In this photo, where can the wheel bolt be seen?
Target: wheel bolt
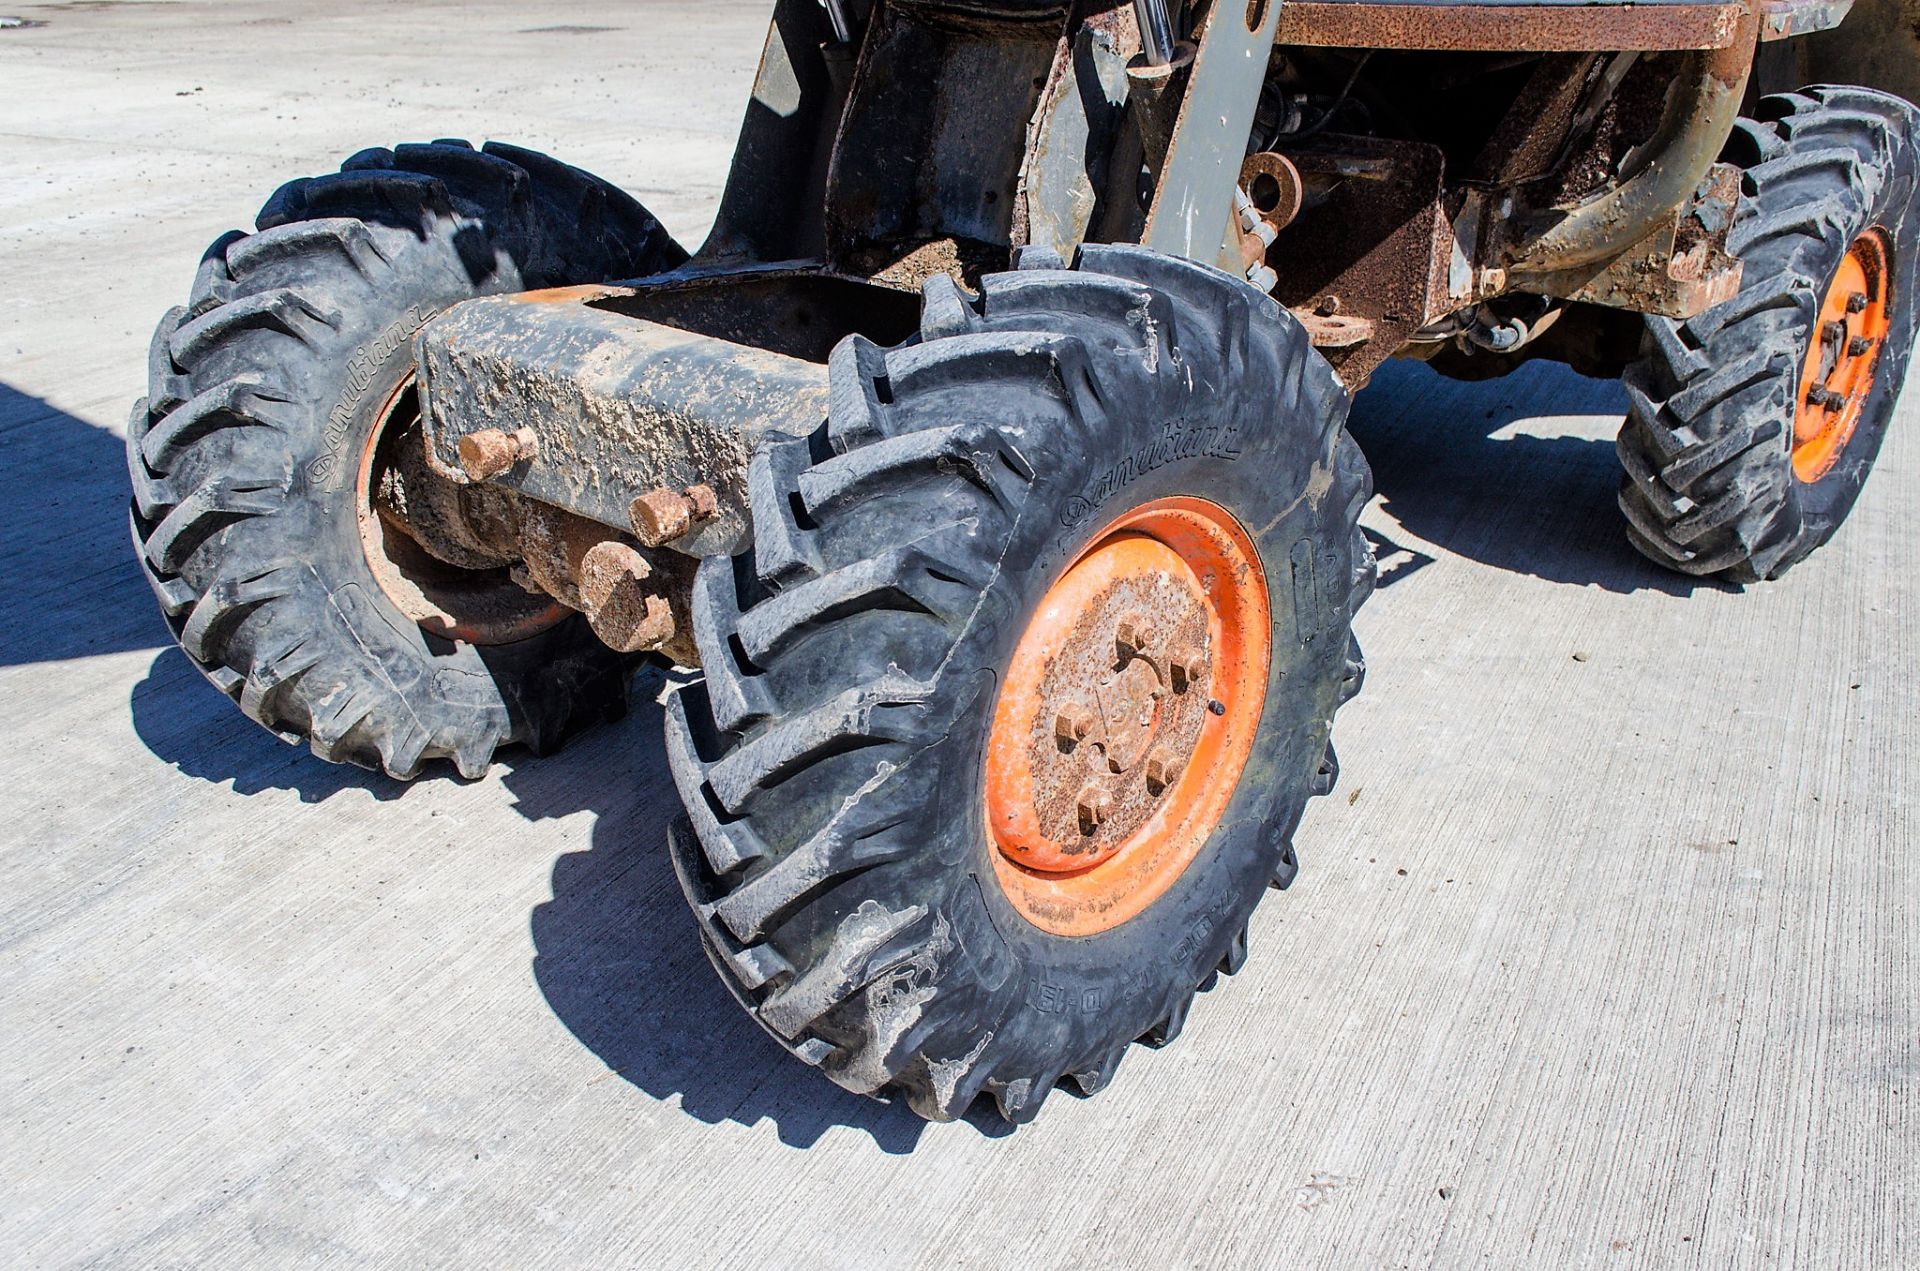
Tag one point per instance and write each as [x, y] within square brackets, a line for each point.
[489, 452]
[1163, 769]
[1857, 302]
[661, 515]
[1826, 399]
[1096, 805]
[1072, 725]
[1131, 634]
[1836, 330]
[1859, 346]
[1188, 666]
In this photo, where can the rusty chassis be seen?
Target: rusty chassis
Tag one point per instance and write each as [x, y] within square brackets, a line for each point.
[1406, 178]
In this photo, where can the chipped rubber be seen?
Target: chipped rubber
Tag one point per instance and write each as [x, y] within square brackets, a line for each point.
[1707, 446]
[835, 849]
[263, 391]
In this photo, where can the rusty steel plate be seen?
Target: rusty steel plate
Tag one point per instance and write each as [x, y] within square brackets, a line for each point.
[1532, 28]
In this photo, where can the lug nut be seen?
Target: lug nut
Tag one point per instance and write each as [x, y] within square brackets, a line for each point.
[1163, 769]
[661, 515]
[1188, 666]
[490, 452]
[1096, 805]
[1859, 346]
[1826, 399]
[1072, 725]
[1857, 302]
[1131, 635]
[1835, 330]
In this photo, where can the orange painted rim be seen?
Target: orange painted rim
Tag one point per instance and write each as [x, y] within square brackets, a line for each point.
[1837, 379]
[1127, 716]
[476, 606]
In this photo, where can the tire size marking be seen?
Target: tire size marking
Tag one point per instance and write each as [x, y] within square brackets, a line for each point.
[1178, 440]
[361, 371]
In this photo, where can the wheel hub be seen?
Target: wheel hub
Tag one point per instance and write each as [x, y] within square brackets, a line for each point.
[473, 601]
[1838, 377]
[1128, 710]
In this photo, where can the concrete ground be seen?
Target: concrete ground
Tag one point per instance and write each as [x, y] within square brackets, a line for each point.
[1603, 955]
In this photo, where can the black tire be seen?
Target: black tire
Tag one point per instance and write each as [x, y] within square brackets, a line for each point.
[1710, 487]
[266, 388]
[831, 761]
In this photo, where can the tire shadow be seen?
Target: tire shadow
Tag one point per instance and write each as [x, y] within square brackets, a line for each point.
[188, 723]
[618, 957]
[73, 588]
[1451, 469]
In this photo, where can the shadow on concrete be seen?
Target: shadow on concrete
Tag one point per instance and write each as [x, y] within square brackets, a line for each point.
[1537, 505]
[619, 958]
[617, 955]
[73, 590]
[187, 722]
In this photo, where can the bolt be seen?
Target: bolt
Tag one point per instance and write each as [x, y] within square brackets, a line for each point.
[1163, 769]
[1858, 301]
[661, 515]
[1131, 634]
[1859, 346]
[1072, 725]
[490, 452]
[1188, 666]
[1095, 806]
[1835, 330]
[1826, 399]
[623, 613]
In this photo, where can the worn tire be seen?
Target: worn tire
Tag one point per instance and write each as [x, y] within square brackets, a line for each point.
[269, 383]
[1710, 487]
[836, 849]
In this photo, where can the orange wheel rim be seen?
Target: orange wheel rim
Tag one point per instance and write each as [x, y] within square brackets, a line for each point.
[1837, 379]
[1127, 716]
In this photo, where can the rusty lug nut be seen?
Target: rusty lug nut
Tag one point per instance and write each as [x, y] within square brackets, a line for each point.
[1131, 634]
[1859, 346]
[1188, 666]
[1072, 725]
[1095, 806]
[1835, 330]
[1163, 769]
[489, 452]
[661, 515]
[624, 614]
[1858, 302]
[1826, 399]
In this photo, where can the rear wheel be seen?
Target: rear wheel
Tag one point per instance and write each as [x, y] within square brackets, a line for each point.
[1011, 712]
[1752, 427]
[282, 505]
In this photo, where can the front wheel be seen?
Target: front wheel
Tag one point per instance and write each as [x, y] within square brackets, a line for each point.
[1752, 427]
[1013, 708]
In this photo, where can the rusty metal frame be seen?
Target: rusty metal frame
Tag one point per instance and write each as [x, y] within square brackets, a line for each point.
[616, 401]
[1510, 28]
[1701, 111]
